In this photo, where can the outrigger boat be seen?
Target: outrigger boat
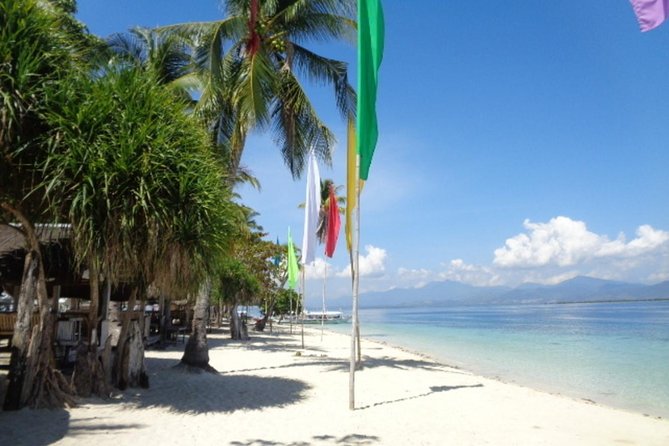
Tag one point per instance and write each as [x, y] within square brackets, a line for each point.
[329, 317]
[316, 317]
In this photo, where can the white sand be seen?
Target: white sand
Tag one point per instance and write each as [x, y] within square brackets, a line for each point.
[266, 395]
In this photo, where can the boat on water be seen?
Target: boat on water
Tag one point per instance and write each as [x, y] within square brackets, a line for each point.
[316, 317]
[329, 317]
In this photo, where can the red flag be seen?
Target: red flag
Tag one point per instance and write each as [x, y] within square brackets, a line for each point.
[334, 222]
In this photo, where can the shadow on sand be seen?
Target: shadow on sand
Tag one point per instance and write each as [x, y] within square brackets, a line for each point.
[341, 365]
[182, 391]
[351, 439]
[45, 427]
[433, 390]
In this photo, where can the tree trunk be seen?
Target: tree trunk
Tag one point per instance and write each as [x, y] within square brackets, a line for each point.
[93, 318]
[89, 375]
[162, 321]
[32, 380]
[129, 369]
[44, 386]
[196, 353]
[260, 325]
[235, 322]
[21, 337]
[238, 329]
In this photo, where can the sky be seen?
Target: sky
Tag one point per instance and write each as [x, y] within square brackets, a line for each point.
[519, 142]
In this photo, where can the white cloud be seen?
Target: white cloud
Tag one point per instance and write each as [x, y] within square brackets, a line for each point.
[459, 271]
[319, 269]
[373, 264]
[546, 253]
[416, 278]
[565, 242]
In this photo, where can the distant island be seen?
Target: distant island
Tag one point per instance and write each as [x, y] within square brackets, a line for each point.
[580, 289]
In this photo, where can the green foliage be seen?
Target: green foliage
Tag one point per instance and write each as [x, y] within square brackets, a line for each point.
[35, 53]
[257, 256]
[251, 74]
[238, 284]
[134, 174]
[167, 56]
[286, 300]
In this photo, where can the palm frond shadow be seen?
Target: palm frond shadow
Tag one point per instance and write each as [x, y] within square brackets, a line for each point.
[274, 345]
[341, 365]
[350, 439]
[47, 426]
[54, 425]
[433, 390]
[211, 392]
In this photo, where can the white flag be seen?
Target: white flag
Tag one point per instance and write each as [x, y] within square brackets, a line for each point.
[311, 210]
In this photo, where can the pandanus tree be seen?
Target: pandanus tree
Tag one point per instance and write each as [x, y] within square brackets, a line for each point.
[135, 175]
[40, 46]
[251, 68]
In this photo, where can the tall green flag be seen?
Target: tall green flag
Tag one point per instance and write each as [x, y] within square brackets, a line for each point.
[370, 53]
[293, 269]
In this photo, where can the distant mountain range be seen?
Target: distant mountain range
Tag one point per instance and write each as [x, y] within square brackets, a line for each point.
[578, 289]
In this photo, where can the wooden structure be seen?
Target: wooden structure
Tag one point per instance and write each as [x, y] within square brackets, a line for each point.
[66, 281]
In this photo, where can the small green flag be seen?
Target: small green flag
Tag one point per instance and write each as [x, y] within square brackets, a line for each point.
[293, 269]
[370, 53]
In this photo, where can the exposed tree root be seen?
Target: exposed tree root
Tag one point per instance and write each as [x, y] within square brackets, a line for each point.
[52, 390]
[195, 368]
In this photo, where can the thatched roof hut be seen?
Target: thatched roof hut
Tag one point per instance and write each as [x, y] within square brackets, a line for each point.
[59, 264]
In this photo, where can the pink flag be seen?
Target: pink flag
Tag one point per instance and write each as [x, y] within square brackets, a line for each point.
[334, 222]
[650, 13]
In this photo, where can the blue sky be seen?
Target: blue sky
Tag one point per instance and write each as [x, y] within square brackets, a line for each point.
[519, 141]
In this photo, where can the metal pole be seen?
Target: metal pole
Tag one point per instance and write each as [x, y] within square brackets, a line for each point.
[325, 279]
[356, 283]
[290, 314]
[304, 292]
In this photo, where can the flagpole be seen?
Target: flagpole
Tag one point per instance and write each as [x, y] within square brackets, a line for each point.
[325, 279]
[304, 292]
[355, 261]
[290, 314]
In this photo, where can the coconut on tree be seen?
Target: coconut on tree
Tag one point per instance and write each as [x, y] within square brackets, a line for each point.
[251, 68]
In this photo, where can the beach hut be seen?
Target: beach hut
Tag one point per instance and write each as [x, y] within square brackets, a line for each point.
[70, 287]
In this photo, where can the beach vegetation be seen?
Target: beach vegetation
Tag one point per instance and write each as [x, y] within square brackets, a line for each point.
[119, 158]
[135, 175]
[253, 272]
[251, 66]
[135, 146]
[322, 227]
[40, 45]
[287, 302]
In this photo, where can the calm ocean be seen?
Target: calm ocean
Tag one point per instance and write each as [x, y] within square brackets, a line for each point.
[616, 354]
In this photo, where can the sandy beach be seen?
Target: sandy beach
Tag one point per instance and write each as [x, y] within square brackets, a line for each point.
[272, 392]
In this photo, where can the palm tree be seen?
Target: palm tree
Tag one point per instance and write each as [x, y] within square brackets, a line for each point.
[251, 64]
[168, 56]
[171, 59]
[322, 228]
[323, 213]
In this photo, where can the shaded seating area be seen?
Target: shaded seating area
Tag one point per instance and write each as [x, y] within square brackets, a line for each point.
[68, 286]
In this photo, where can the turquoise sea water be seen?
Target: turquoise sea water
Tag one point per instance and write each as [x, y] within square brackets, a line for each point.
[616, 354]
